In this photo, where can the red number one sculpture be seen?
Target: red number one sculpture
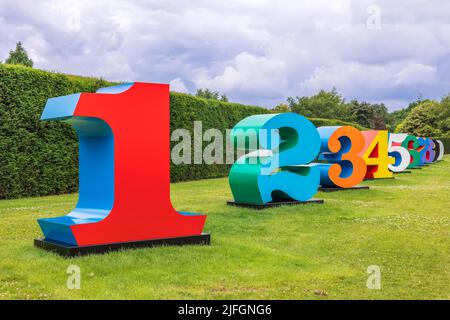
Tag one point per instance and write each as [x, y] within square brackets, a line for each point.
[124, 141]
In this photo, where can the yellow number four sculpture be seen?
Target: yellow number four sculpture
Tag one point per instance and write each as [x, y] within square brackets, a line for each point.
[375, 154]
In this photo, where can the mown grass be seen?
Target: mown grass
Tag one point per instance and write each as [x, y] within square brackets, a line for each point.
[300, 252]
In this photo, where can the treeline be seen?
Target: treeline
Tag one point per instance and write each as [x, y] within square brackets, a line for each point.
[427, 118]
[422, 117]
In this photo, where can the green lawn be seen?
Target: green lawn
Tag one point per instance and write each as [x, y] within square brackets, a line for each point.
[401, 225]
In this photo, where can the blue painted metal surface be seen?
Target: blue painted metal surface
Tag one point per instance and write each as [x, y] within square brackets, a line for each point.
[96, 167]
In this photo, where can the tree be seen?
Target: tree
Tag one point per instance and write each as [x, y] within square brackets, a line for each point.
[361, 113]
[281, 108]
[369, 115]
[209, 94]
[19, 56]
[380, 116]
[397, 116]
[324, 104]
[423, 120]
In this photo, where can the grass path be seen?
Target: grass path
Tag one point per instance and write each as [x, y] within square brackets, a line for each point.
[299, 252]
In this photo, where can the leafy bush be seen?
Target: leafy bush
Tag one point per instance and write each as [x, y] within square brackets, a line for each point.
[423, 120]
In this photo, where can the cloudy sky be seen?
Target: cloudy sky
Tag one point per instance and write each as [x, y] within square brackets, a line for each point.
[255, 51]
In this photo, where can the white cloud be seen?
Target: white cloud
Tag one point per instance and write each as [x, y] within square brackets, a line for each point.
[371, 81]
[256, 52]
[248, 74]
[178, 85]
[416, 73]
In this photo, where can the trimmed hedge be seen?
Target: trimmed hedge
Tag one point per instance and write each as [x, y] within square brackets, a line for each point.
[185, 109]
[319, 122]
[36, 157]
[40, 158]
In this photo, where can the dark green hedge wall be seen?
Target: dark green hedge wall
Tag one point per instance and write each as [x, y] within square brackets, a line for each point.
[185, 109]
[41, 158]
[36, 158]
[319, 122]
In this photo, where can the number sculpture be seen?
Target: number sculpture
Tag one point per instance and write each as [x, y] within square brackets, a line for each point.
[438, 150]
[428, 153]
[375, 154]
[279, 150]
[124, 183]
[340, 147]
[401, 154]
[411, 143]
[277, 167]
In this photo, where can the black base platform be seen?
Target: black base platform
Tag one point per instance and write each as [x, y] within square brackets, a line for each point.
[416, 168]
[330, 189]
[406, 171]
[67, 250]
[273, 204]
